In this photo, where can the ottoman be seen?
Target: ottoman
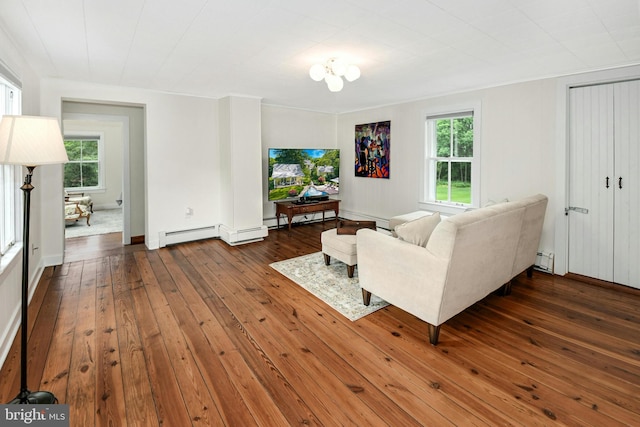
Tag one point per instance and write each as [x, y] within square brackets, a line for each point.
[342, 245]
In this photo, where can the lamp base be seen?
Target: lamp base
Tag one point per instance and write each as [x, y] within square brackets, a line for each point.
[35, 398]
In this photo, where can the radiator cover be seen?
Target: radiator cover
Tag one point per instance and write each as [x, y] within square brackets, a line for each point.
[189, 235]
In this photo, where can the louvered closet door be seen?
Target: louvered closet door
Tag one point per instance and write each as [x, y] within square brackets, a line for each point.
[591, 194]
[604, 182]
[626, 260]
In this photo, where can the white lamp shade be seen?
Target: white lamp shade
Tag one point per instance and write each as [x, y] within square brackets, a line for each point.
[352, 73]
[31, 141]
[317, 72]
[334, 83]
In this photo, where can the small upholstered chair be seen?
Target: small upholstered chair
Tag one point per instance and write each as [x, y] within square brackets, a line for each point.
[81, 199]
[73, 211]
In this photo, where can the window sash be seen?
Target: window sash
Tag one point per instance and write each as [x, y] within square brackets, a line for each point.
[11, 210]
[434, 184]
[79, 161]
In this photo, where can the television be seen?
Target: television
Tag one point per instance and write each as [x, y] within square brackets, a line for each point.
[304, 174]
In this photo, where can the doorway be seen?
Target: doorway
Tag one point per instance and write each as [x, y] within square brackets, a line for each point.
[117, 192]
[604, 197]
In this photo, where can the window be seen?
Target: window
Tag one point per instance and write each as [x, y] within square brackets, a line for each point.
[452, 159]
[84, 170]
[10, 104]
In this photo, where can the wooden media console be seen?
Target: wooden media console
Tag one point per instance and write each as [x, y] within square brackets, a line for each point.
[291, 209]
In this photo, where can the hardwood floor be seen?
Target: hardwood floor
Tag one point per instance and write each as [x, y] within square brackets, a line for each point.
[207, 334]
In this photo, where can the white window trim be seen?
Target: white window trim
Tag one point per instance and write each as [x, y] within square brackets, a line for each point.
[425, 201]
[86, 134]
[12, 214]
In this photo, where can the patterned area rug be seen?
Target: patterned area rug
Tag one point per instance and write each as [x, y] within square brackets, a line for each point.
[102, 222]
[329, 283]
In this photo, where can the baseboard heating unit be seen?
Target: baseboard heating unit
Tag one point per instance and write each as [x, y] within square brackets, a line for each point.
[243, 235]
[173, 237]
[544, 262]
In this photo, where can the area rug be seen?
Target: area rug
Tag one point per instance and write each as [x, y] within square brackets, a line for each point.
[329, 283]
[102, 222]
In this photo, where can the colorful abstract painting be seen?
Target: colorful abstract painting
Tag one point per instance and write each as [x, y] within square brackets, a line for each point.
[372, 150]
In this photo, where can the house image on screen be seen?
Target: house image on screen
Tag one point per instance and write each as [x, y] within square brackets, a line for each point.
[285, 175]
[325, 170]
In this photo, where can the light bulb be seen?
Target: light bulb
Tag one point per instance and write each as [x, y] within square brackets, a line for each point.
[352, 73]
[338, 67]
[317, 72]
[334, 83]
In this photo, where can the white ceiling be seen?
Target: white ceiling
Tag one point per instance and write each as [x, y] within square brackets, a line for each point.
[406, 49]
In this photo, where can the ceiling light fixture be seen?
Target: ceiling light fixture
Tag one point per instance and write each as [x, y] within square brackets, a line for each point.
[332, 72]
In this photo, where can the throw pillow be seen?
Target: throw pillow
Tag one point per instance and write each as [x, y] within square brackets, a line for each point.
[419, 230]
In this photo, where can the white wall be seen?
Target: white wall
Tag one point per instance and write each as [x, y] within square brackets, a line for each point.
[181, 154]
[517, 149]
[240, 143]
[517, 152]
[292, 128]
[113, 146]
[10, 264]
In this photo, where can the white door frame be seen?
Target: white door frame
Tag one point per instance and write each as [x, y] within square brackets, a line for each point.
[126, 188]
[561, 199]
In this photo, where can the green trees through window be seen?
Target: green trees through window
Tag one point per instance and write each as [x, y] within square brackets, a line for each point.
[451, 147]
[83, 168]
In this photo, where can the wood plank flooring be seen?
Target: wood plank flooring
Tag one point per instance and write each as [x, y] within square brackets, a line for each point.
[203, 334]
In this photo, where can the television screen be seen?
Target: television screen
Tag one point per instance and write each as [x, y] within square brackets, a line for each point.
[303, 173]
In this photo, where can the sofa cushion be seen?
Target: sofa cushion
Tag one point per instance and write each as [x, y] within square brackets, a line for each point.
[401, 219]
[419, 230]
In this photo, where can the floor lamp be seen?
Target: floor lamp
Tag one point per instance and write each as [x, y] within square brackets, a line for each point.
[29, 141]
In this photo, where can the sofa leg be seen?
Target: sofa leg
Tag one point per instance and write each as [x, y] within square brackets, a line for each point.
[434, 332]
[530, 272]
[505, 289]
[350, 270]
[366, 297]
[327, 259]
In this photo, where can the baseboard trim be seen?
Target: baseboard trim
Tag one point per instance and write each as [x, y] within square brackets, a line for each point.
[10, 331]
[137, 240]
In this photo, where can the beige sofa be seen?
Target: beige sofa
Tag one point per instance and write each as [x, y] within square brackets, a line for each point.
[467, 256]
